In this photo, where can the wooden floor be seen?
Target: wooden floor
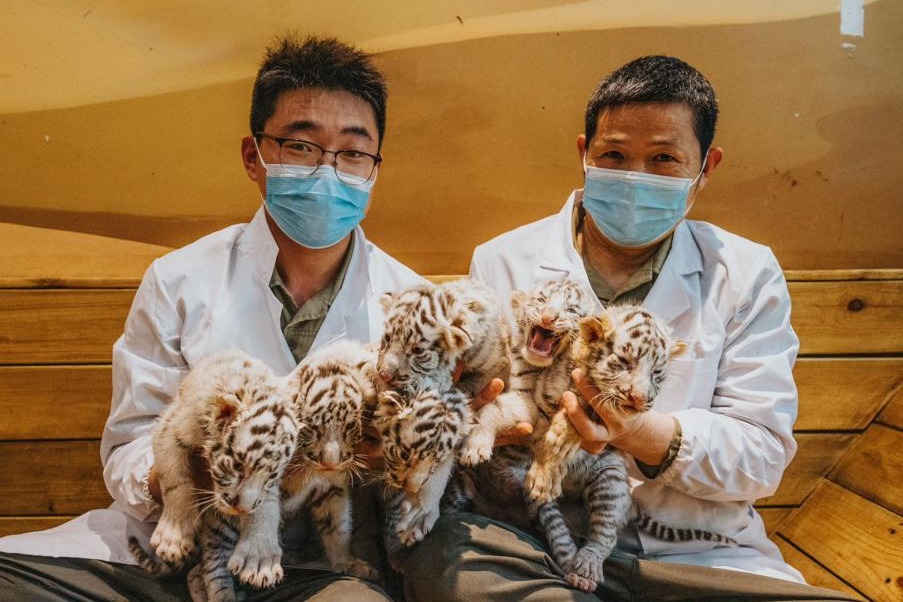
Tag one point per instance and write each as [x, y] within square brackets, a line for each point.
[838, 516]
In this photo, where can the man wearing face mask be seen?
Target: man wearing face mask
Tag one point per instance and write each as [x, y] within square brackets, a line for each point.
[719, 435]
[300, 275]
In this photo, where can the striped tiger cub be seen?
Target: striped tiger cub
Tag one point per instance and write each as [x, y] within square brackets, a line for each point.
[331, 389]
[235, 412]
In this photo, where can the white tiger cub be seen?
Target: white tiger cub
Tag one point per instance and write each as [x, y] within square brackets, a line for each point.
[234, 411]
[547, 325]
[331, 388]
[431, 329]
[420, 436]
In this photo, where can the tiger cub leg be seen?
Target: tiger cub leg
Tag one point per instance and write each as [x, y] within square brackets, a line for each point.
[551, 454]
[173, 537]
[607, 498]
[561, 543]
[504, 413]
[257, 559]
[218, 539]
[420, 511]
[331, 514]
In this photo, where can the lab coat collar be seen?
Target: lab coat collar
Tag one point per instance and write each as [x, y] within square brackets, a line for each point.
[674, 287]
[347, 317]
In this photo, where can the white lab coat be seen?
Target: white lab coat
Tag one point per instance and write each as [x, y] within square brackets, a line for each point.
[210, 295]
[732, 390]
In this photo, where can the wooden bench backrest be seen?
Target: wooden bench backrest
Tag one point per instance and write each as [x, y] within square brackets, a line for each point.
[838, 516]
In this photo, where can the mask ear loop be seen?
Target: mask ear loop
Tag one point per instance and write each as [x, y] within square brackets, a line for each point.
[694, 183]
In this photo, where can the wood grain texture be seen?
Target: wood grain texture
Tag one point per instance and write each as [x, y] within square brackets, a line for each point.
[772, 517]
[54, 402]
[816, 455]
[845, 393]
[51, 477]
[61, 326]
[859, 540]
[12, 525]
[814, 573]
[892, 414]
[848, 317]
[873, 468]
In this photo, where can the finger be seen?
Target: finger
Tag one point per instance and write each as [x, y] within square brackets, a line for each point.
[593, 447]
[459, 369]
[586, 427]
[518, 435]
[586, 390]
[488, 394]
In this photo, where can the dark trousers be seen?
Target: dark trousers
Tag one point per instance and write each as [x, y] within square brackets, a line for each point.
[44, 579]
[474, 559]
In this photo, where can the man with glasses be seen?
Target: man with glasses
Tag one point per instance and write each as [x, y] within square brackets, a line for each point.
[300, 275]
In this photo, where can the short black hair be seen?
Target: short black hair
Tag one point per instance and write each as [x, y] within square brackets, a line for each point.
[293, 62]
[657, 79]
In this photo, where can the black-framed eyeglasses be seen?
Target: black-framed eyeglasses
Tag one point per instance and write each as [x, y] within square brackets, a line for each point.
[360, 166]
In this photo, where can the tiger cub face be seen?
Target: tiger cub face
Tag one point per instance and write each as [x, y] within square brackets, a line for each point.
[418, 433]
[548, 319]
[625, 353]
[331, 389]
[250, 435]
[424, 337]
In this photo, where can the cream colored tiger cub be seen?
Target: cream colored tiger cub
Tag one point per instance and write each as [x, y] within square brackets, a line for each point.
[432, 329]
[331, 388]
[235, 412]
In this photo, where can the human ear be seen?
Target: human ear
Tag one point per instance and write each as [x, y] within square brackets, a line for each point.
[249, 158]
[713, 158]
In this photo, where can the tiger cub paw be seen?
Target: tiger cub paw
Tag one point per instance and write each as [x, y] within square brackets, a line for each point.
[257, 563]
[415, 526]
[585, 571]
[542, 484]
[173, 540]
[360, 569]
[476, 450]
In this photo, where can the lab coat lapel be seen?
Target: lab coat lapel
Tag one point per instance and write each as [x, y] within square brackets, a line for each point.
[263, 251]
[559, 258]
[677, 284]
[348, 316]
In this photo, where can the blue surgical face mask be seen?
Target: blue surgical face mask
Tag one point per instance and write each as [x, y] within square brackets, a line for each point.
[635, 209]
[314, 208]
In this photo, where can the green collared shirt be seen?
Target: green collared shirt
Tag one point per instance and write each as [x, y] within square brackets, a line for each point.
[301, 324]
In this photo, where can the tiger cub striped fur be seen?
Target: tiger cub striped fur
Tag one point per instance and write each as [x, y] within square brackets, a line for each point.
[420, 436]
[547, 323]
[624, 353]
[431, 329]
[331, 388]
[235, 412]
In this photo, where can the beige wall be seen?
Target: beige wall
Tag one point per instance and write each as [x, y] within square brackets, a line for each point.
[481, 138]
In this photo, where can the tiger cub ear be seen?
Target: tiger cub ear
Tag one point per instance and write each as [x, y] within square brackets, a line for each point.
[594, 328]
[226, 408]
[677, 348]
[519, 299]
[387, 300]
[456, 336]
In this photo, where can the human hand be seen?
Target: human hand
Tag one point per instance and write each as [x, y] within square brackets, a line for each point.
[644, 435]
[370, 449]
[612, 426]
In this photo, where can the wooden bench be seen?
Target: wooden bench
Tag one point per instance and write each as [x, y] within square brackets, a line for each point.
[838, 516]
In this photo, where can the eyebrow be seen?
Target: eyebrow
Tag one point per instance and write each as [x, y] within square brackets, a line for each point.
[306, 125]
[662, 141]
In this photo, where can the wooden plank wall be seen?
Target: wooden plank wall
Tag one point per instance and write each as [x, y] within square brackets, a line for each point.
[838, 515]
